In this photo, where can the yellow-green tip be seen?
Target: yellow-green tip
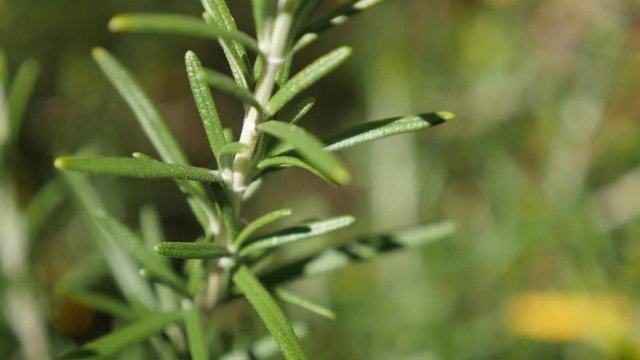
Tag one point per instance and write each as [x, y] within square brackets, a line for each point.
[342, 176]
[119, 23]
[98, 52]
[446, 115]
[61, 163]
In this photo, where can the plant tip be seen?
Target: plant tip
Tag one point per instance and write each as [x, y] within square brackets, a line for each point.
[60, 163]
[97, 52]
[118, 23]
[446, 115]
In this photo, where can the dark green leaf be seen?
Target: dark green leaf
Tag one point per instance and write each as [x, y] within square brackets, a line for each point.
[205, 104]
[310, 148]
[190, 250]
[289, 161]
[114, 342]
[136, 168]
[307, 77]
[294, 299]
[259, 223]
[230, 87]
[298, 113]
[300, 232]
[179, 25]
[362, 249]
[271, 315]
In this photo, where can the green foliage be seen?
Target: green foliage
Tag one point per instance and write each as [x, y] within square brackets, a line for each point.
[224, 262]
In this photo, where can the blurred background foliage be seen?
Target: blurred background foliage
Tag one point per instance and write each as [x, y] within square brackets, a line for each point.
[540, 170]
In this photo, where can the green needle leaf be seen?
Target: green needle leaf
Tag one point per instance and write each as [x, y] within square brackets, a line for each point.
[310, 148]
[271, 315]
[44, 204]
[263, 13]
[148, 116]
[151, 227]
[138, 168]
[307, 77]
[135, 246]
[259, 223]
[190, 250]
[179, 25]
[205, 104]
[298, 113]
[19, 94]
[290, 161]
[197, 342]
[118, 340]
[233, 148]
[300, 232]
[362, 249]
[101, 303]
[217, 12]
[294, 299]
[229, 86]
[375, 130]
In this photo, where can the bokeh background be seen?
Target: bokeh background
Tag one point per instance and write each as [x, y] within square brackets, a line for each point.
[539, 170]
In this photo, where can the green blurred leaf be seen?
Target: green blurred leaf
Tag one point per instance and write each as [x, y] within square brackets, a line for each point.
[43, 205]
[19, 94]
[259, 223]
[375, 130]
[336, 17]
[195, 336]
[138, 168]
[228, 86]
[362, 249]
[290, 161]
[205, 104]
[294, 299]
[263, 14]
[298, 113]
[271, 315]
[218, 13]
[4, 70]
[114, 342]
[123, 269]
[178, 24]
[191, 250]
[151, 227]
[129, 241]
[99, 302]
[310, 148]
[148, 116]
[307, 77]
[233, 148]
[265, 347]
[303, 231]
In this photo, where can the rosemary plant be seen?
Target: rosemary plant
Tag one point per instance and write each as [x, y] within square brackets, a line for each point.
[170, 308]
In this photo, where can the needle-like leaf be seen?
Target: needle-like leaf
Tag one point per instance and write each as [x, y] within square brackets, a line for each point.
[259, 223]
[205, 104]
[217, 12]
[136, 168]
[228, 86]
[298, 113]
[111, 344]
[148, 116]
[336, 17]
[151, 227]
[190, 250]
[233, 148]
[271, 315]
[19, 94]
[44, 204]
[310, 148]
[197, 343]
[375, 130]
[135, 246]
[300, 232]
[361, 249]
[263, 13]
[99, 302]
[290, 161]
[177, 24]
[307, 77]
[294, 299]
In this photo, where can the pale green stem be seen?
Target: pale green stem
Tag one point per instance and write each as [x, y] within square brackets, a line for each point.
[274, 50]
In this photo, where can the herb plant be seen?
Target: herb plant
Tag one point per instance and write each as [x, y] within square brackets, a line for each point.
[169, 308]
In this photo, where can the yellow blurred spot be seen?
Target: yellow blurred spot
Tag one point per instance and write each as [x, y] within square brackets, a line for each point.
[567, 318]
